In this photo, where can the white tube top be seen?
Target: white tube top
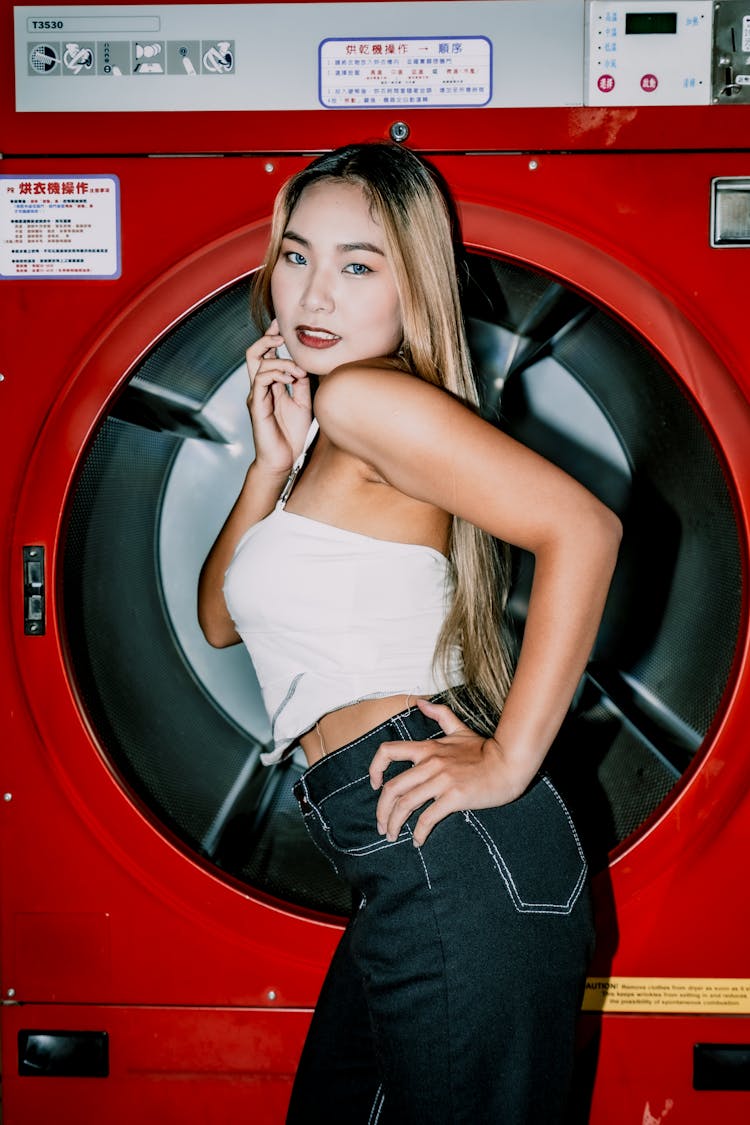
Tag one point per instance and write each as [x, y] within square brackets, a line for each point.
[331, 617]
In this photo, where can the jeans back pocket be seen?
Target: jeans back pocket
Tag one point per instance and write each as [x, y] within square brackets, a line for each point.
[534, 848]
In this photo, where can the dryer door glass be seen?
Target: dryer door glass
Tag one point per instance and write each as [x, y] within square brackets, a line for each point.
[183, 725]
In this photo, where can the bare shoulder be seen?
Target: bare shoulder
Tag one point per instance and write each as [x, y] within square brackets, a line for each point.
[376, 379]
[424, 442]
[364, 401]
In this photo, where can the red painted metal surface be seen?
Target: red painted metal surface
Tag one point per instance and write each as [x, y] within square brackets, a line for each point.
[107, 921]
[206, 1065]
[645, 1071]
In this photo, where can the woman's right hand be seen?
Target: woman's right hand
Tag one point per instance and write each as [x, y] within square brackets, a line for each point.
[280, 419]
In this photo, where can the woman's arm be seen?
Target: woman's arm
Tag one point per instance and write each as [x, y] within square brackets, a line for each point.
[260, 491]
[431, 447]
[280, 422]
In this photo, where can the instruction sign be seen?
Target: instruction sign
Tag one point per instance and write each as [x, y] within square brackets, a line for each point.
[115, 58]
[372, 73]
[260, 57]
[59, 226]
[702, 995]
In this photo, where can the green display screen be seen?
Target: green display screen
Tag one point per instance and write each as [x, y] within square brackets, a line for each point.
[650, 23]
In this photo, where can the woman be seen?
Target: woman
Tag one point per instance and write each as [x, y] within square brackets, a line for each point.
[370, 599]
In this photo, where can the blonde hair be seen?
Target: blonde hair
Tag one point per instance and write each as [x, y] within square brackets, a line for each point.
[410, 202]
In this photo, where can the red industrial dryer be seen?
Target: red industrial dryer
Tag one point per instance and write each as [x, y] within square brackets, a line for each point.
[165, 926]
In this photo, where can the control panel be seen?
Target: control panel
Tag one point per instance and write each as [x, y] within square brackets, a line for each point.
[443, 55]
[647, 52]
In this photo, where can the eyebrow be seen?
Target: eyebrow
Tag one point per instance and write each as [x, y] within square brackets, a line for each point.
[344, 247]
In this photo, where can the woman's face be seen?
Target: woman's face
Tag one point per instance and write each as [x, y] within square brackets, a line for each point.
[332, 287]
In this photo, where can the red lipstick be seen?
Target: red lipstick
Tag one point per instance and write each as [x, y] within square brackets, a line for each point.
[311, 337]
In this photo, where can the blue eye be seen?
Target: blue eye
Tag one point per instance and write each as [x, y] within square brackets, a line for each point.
[359, 269]
[296, 258]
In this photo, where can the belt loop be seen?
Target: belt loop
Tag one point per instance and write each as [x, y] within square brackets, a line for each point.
[303, 798]
[402, 729]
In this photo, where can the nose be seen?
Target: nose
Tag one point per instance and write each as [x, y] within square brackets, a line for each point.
[317, 295]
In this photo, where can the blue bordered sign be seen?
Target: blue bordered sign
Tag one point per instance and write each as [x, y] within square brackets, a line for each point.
[394, 72]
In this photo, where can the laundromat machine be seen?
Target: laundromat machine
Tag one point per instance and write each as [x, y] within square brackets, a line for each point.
[165, 923]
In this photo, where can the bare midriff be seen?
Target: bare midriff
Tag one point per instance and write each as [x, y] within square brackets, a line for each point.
[338, 728]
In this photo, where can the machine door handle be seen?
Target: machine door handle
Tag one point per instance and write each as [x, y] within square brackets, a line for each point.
[34, 611]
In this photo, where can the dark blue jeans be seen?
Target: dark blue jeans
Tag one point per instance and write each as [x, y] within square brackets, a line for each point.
[453, 994]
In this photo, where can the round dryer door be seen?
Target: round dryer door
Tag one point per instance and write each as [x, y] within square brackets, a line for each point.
[182, 724]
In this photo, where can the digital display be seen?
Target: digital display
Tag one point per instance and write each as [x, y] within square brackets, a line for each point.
[650, 23]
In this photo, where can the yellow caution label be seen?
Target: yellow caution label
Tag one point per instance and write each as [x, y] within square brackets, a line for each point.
[726, 995]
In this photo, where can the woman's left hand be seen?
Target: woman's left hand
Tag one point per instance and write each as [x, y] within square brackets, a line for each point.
[463, 770]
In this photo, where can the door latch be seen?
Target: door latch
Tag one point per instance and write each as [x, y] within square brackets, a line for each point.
[34, 610]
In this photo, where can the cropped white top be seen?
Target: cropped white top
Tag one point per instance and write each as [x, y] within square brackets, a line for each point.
[331, 617]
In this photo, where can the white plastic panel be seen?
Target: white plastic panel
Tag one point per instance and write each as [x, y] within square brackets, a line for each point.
[268, 56]
[649, 52]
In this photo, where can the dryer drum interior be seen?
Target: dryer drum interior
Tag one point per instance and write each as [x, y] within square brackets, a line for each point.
[182, 724]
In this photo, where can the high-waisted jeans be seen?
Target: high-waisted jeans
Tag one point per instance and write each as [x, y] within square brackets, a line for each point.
[453, 994]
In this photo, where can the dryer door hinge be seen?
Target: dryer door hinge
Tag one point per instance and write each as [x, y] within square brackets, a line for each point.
[34, 616]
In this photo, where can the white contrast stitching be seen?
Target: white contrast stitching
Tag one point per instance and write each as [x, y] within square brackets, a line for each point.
[316, 806]
[377, 1105]
[349, 746]
[313, 804]
[362, 849]
[520, 904]
[419, 852]
[324, 853]
[400, 726]
[368, 734]
[568, 817]
[341, 788]
[367, 849]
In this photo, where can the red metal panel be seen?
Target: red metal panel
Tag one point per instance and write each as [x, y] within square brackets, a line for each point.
[107, 921]
[645, 1072]
[166, 1065]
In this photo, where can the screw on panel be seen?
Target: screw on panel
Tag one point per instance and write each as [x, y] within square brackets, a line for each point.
[399, 131]
[10, 993]
[7, 797]
[271, 994]
[533, 165]
[269, 167]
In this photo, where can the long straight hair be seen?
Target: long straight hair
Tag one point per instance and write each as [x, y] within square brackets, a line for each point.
[415, 211]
